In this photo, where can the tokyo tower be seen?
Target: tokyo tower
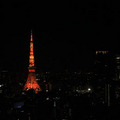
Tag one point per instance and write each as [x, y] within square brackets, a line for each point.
[31, 82]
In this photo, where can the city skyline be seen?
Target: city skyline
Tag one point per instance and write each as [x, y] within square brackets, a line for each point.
[59, 60]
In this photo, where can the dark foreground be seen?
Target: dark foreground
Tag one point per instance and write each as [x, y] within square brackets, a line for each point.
[52, 107]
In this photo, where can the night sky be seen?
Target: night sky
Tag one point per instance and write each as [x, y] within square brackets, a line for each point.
[65, 33]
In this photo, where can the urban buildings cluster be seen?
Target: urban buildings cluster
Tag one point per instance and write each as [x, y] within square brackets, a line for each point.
[64, 94]
[68, 95]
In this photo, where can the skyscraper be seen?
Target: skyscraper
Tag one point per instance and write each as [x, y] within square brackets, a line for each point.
[103, 76]
[117, 67]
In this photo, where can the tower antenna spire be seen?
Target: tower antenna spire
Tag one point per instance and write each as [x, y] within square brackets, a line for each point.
[31, 39]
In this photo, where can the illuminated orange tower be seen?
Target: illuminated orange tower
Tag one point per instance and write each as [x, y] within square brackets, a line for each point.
[31, 82]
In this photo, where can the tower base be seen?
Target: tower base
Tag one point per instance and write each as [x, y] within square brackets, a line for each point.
[31, 83]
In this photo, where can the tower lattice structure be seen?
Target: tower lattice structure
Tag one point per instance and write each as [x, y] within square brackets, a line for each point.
[31, 82]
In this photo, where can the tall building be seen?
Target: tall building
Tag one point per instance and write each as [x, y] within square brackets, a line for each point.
[102, 65]
[31, 82]
[116, 79]
[103, 76]
[117, 67]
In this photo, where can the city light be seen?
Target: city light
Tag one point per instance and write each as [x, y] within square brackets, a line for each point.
[67, 68]
[89, 89]
[1, 85]
[47, 98]
[31, 81]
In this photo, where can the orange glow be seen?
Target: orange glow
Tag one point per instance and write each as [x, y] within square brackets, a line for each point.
[31, 52]
[31, 49]
[31, 82]
[103, 52]
[31, 44]
[31, 65]
[31, 70]
[31, 57]
[31, 36]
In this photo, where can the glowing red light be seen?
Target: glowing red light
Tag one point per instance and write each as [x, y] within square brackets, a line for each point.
[31, 81]
[31, 70]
